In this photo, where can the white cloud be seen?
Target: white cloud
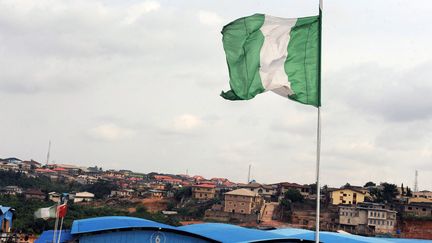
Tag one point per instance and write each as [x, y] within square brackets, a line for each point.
[136, 11]
[110, 132]
[187, 122]
[209, 18]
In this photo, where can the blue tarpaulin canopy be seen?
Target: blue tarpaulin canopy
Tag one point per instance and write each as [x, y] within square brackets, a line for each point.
[6, 213]
[47, 236]
[113, 222]
[209, 232]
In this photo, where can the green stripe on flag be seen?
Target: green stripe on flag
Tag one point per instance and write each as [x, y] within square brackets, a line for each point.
[242, 41]
[302, 64]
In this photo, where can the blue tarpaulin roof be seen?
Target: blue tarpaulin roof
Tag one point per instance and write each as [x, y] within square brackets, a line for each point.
[47, 236]
[113, 222]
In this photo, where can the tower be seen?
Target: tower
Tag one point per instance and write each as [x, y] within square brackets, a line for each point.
[416, 182]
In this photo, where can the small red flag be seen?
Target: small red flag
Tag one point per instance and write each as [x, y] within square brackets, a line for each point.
[62, 210]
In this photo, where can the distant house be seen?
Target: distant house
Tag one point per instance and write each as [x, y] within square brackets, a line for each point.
[33, 193]
[347, 196]
[30, 164]
[242, 201]
[12, 160]
[11, 190]
[304, 190]
[265, 191]
[203, 191]
[418, 209]
[122, 193]
[54, 196]
[423, 194]
[367, 216]
[9, 166]
[83, 197]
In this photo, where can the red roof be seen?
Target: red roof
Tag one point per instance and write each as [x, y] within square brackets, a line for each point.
[59, 169]
[204, 185]
[162, 177]
[45, 171]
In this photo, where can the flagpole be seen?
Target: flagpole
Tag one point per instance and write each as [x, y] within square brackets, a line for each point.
[318, 155]
[61, 227]
[56, 222]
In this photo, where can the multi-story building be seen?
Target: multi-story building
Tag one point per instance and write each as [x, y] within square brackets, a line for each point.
[418, 209]
[368, 216]
[347, 196]
[203, 191]
[423, 194]
[304, 190]
[242, 201]
[265, 191]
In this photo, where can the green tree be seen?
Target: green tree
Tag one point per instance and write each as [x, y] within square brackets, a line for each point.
[369, 183]
[101, 189]
[389, 191]
[184, 192]
[293, 195]
[408, 192]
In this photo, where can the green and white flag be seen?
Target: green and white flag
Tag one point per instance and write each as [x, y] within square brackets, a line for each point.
[46, 213]
[277, 54]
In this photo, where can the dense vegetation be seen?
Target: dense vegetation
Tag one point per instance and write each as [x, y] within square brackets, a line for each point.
[24, 220]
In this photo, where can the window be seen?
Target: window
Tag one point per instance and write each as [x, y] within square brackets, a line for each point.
[242, 211]
[242, 203]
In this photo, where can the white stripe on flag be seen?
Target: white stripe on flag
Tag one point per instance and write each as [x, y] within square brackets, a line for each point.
[274, 53]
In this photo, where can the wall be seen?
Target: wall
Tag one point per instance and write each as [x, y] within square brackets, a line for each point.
[419, 229]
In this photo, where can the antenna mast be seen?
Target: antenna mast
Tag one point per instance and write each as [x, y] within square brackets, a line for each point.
[416, 182]
[249, 173]
[48, 154]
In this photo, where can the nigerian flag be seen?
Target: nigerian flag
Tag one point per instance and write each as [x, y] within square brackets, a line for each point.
[270, 53]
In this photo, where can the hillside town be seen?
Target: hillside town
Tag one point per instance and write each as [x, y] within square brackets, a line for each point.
[370, 210]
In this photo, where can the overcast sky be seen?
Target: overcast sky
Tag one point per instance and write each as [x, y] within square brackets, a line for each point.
[135, 85]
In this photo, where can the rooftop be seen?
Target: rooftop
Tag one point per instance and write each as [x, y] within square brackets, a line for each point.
[242, 192]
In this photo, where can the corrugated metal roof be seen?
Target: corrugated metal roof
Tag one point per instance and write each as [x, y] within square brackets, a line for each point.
[230, 233]
[327, 237]
[113, 222]
[224, 232]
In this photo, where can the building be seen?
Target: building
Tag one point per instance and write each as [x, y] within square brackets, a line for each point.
[203, 191]
[34, 193]
[418, 209]
[304, 190]
[347, 196]
[30, 164]
[122, 193]
[267, 192]
[83, 197]
[11, 190]
[242, 201]
[54, 196]
[366, 217]
[423, 194]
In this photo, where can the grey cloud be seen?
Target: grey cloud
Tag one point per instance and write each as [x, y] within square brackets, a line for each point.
[395, 95]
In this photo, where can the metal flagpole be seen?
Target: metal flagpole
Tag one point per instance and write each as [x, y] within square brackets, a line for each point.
[318, 188]
[61, 227]
[56, 222]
